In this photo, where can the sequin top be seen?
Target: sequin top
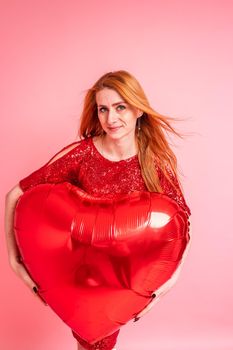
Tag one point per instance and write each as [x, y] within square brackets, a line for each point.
[81, 164]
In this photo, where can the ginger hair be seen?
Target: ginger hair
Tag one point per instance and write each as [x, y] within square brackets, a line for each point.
[152, 143]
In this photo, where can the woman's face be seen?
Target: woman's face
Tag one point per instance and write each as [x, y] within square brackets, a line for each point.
[116, 116]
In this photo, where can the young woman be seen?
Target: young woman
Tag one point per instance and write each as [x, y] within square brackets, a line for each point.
[121, 148]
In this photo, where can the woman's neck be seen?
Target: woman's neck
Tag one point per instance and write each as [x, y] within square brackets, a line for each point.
[119, 149]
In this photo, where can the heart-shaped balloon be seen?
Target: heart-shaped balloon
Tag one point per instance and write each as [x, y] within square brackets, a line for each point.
[98, 261]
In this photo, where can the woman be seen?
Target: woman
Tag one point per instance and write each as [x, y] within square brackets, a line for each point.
[122, 148]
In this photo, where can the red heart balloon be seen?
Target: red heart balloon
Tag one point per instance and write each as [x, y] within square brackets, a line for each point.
[98, 261]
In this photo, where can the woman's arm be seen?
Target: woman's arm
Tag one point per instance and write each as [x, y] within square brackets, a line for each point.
[15, 262]
[60, 167]
[170, 191]
[10, 202]
[63, 166]
[166, 287]
[178, 196]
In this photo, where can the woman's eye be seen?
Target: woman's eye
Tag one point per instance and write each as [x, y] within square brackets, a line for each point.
[100, 110]
[121, 106]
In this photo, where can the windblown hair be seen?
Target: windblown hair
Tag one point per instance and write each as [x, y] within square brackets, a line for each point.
[152, 143]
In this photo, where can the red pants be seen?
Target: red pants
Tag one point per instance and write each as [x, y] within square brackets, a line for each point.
[106, 343]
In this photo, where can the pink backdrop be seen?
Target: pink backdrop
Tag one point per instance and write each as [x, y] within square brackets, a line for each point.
[181, 52]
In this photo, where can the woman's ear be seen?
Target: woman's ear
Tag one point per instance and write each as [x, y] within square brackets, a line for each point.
[139, 113]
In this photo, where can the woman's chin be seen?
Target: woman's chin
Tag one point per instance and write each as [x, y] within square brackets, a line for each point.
[114, 131]
[118, 134]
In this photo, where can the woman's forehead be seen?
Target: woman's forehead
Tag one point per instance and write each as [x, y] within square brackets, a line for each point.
[109, 96]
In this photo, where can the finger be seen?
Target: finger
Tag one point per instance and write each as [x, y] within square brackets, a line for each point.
[26, 277]
[147, 308]
[35, 290]
[30, 283]
[22, 272]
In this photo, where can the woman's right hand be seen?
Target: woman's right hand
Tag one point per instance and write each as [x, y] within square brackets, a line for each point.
[20, 270]
[15, 260]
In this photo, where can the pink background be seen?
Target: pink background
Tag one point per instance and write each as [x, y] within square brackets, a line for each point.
[182, 54]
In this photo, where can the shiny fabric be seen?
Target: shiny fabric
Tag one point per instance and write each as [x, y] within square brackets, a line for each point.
[106, 343]
[86, 168]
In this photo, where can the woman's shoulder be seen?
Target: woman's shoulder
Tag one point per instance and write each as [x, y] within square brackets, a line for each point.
[76, 147]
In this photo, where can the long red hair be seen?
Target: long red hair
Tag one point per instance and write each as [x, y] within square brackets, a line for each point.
[152, 143]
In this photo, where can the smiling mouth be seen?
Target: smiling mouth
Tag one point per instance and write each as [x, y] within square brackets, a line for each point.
[114, 128]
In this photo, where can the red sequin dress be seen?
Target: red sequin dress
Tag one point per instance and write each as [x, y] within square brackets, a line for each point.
[81, 164]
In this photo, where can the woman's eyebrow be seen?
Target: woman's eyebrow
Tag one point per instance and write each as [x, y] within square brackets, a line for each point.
[114, 104]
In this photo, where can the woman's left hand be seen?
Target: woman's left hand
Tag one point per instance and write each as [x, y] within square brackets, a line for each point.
[166, 286]
[146, 309]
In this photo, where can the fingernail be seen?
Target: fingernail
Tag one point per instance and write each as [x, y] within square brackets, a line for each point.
[34, 289]
[19, 258]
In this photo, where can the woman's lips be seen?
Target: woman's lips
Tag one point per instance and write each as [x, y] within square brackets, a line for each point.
[114, 128]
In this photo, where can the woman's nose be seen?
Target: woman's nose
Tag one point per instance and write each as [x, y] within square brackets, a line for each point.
[111, 116]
